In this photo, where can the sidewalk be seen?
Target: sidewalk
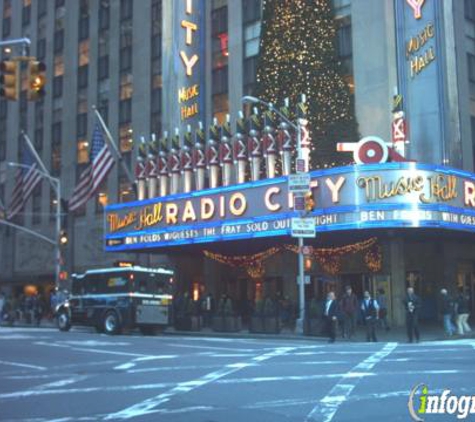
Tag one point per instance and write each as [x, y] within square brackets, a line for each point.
[398, 334]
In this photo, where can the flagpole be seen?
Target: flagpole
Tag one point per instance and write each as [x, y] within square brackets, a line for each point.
[35, 154]
[114, 146]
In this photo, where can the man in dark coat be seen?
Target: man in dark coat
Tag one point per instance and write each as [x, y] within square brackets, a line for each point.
[349, 309]
[412, 305]
[330, 315]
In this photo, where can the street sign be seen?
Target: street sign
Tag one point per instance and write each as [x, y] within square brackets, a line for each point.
[300, 165]
[299, 183]
[307, 250]
[299, 203]
[303, 227]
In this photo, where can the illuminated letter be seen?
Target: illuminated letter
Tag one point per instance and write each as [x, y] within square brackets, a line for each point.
[188, 212]
[207, 208]
[172, 213]
[190, 27]
[236, 197]
[416, 6]
[222, 207]
[189, 7]
[335, 188]
[189, 63]
[469, 189]
[268, 196]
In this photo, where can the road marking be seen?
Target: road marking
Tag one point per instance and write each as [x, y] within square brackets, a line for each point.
[134, 362]
[22, 365]
[328, 406]
[227, 349]
[148, 406]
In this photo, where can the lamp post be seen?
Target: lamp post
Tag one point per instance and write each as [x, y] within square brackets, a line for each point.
[56, 185]
[301, 269]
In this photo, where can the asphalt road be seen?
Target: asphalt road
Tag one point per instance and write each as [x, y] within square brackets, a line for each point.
[46, 375]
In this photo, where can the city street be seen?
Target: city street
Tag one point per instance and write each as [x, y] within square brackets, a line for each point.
[46, 375]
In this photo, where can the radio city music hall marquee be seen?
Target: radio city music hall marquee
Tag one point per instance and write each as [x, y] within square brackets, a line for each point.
[381, 195]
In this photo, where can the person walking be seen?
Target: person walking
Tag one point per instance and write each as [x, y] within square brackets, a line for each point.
[207, 309]
[447, 312]
[330, 316]
[462, 311]
[370, 310]
[412, 305]
[349, 309]
[383, 308]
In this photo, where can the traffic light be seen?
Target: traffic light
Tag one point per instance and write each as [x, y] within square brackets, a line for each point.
[63, 238]
[36, 80]
[10, 80]
[309, 202]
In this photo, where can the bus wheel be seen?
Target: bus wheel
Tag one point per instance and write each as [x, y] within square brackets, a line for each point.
[148, 330]
[111, 323]
[64, 321]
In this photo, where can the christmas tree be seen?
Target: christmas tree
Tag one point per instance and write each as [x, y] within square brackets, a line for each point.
[298, 55]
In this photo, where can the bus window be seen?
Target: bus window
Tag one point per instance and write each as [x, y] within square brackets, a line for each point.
[152, 283]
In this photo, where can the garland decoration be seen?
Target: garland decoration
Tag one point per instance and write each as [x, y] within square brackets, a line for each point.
[329, 258]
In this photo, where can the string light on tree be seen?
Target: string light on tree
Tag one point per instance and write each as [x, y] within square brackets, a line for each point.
[297, 55]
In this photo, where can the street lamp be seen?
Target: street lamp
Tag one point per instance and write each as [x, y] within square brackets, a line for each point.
[56, 185]
[297, 128]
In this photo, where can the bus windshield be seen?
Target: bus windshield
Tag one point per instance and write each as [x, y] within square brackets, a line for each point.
[152, 283]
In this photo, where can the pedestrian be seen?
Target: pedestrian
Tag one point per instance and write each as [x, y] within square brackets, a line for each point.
[207, 308]
[447, 312]
[370, 310]
[462, 310]
[383, 308]
[330, 316]
[412, 305]
[2, 303]
[349, 309]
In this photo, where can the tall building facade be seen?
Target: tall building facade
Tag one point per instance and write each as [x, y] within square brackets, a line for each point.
[130, 60]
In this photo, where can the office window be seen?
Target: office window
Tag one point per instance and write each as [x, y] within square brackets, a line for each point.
[344, 44]
[39, 139]
[126, 192]
[156, 124]
[250, 71]
[84, 8]
[56, 158]
[82, 76]
[126, 59]
[104, 15]
[83, 28]
[36, 204]
[82, 151]
[219, 21]
[59, 3]
[58, 65]
[102, 198]
[103, 108]
[469, 9]
[41, 49]
[3, 109]
[156, 17]
[156, 46]
[41, 8]
[156, 101]
[3, 139]
[125, 138]
[81, 125]
[126, 9]
[252, 33]
[6, 27]
[26, 15]
[125, 111]
[126, 89]
[58, 43]
[471, 74]
[103, 68]
[220, 80]
[251, 10]
[220, 107]
[83, 53]
[57, 86]
[39, 114]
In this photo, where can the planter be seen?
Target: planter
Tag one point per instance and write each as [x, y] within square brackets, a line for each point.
[314, 327]
[227, 324]
[265, 325]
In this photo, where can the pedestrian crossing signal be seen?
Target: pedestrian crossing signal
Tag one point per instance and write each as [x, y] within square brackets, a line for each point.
[309, 202]
[10, 80]
[36, 80]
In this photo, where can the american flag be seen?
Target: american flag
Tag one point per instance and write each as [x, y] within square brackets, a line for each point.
[100, 163]
[27, 178]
